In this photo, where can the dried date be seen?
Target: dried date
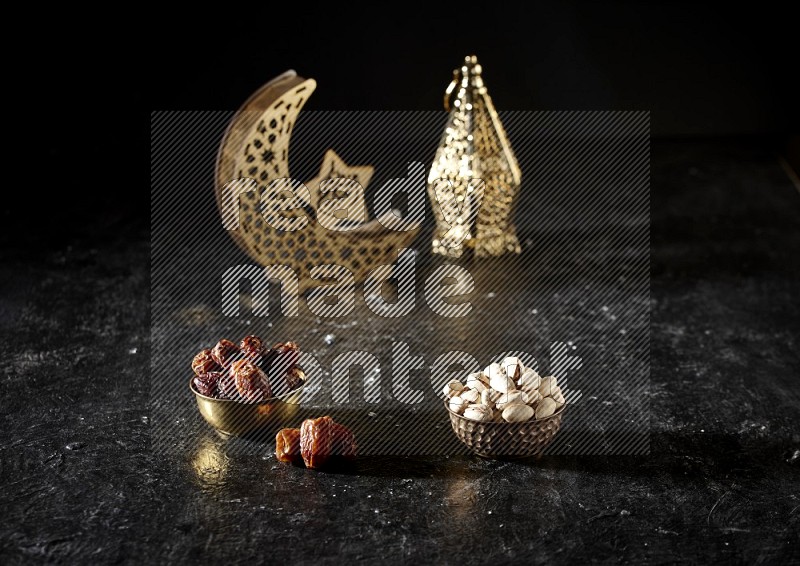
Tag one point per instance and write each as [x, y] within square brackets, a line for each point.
[294, 377]
[287, 445]
[252, 346]
[316, 443]
[251, 381]
[225, 352]
[203, 362]
[284, 357]
[226, 386]
[322, 439]
[206, 383]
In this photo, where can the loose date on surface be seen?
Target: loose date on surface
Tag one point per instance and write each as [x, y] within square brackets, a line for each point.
[317, 443]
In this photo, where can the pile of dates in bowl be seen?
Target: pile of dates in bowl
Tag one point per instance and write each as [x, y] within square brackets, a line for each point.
[250, 372]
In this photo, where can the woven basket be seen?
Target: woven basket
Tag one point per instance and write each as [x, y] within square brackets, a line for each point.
[501, 439]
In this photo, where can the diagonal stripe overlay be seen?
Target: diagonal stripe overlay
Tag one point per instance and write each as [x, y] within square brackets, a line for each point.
[574, 303]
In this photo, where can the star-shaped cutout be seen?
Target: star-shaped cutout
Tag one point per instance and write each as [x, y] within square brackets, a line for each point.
[333, 167]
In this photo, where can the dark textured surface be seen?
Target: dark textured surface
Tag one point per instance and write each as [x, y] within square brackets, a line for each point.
[721, 483]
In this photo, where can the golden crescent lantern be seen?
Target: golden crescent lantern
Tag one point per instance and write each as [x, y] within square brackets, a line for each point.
[255, 148]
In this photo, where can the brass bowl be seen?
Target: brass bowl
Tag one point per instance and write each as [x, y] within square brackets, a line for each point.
[235, 418]
[494, 439]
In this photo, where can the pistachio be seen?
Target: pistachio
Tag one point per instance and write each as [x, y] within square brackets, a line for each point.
[547, 385]
[517, 413]
[493, 370]
[558, 396]
[491, 396]
[545, 408]
[457, 405]
[533, 397]
[502, 383]
[478, 413]
[479, 376]
[476, 383]
[529, 380]
[470, 395]
[453, 388]
[511, 398]
[512, 366]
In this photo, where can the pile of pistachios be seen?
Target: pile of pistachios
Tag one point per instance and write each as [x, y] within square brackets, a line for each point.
[507, 391]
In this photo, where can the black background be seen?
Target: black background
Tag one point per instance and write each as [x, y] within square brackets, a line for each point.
[702, 70]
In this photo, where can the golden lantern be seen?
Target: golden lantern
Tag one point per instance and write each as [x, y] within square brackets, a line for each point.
[475, 178]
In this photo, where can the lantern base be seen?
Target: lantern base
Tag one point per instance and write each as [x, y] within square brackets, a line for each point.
[484, 246]
[496, 245]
